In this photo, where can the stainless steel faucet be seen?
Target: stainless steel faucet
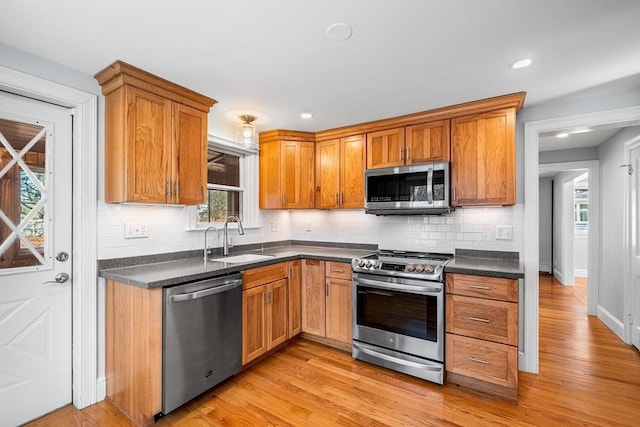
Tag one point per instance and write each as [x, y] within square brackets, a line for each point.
[206, 248]
[225, 245]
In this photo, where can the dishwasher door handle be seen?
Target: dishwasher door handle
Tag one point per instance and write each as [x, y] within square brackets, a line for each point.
[205, 292]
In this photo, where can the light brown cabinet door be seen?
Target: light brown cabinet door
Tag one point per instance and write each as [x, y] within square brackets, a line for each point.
[428, 142]
[295, 297]
[483, 159]
[254, 327]
[339, 310]
[352, 166]
[147, 150]
[313, 297]
[297, 174]
[271, 193]
[190, 155]
[328, 174]
[277, 313]
[385, 148]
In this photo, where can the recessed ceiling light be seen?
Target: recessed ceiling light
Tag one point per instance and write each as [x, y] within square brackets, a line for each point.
[581, 131]
[306, 116]
[522, 63]
[562, 135]
[339, 32]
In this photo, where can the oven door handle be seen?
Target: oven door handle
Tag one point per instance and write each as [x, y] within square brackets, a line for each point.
[423, 290]
[388, 358]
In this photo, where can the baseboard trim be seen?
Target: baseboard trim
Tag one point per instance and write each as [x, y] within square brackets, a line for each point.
[611, 322]
[578, 272]
[101, 389]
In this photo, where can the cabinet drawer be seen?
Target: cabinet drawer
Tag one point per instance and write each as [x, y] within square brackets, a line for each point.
[482, 318]
[482, 287]
[338, 270]
[261, 275]
[483, 360]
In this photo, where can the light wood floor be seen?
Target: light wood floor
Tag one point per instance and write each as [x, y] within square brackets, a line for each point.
[587, 377]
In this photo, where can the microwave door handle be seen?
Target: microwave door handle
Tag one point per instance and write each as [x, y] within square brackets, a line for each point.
[430, 186]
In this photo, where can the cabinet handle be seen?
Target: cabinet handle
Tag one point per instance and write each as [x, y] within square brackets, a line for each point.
[177, 190]
[478, 360]
[454, 192]
[402, 154]
[338, 270]
[408, 154]
[337, 200]
[478, 319]
[168, 189]
[485, 288]
[341, 199]
[326, 288]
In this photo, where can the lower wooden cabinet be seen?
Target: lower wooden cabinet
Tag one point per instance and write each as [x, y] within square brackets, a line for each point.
[326, 300]
[482, 333]
[265, 310]
[295, 297]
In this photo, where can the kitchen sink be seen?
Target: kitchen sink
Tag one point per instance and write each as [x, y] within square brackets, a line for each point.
[237, 259]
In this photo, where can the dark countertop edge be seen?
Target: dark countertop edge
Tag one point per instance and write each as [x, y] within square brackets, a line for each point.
[116, 273]
[484, 272]
[112, 263]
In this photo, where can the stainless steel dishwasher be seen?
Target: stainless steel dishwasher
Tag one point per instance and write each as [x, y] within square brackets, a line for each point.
[202, 337]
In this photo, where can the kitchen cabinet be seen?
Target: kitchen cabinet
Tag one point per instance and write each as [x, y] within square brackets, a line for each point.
[385, 148]
[420, 143]
[483, 159]
[482, 333]
[295, 297]
[133, 342]
[327, 300]
[287, 167]
[264, 310]
[428, 142]
[340, 165]
[155, 138]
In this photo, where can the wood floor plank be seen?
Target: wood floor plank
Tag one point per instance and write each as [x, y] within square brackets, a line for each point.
[588, 377]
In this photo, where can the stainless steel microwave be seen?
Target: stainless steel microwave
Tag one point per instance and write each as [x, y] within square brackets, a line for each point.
[408, 190]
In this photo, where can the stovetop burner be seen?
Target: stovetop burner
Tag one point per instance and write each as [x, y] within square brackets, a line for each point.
[420, 265]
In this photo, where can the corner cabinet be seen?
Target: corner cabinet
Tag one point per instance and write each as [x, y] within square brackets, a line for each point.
[482, 333]
[340, 165]
[286, 170]
[155, 138]
[483, 159]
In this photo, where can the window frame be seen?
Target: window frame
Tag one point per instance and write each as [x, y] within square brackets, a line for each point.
[578, 202]
[248, 187]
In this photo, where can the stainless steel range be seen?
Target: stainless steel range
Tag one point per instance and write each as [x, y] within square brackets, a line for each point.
[398, 312]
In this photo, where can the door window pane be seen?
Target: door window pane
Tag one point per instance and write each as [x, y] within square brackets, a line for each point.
[22, 194]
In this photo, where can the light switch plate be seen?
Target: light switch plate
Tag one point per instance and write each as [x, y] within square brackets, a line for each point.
[504, 232]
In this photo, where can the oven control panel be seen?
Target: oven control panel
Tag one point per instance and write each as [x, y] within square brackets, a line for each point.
[381, 267]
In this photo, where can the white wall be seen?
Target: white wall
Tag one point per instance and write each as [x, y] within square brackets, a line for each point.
[571, 155]
[546, 222]
[580, 254]
[611, 154]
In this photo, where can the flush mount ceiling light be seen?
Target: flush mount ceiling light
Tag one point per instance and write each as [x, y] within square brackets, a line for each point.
[339, 32]
[246, 132]
[562, 135]
[306, 116]
[522, 63]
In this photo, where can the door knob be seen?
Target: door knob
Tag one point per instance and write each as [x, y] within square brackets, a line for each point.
[60, 278]
[62, 256]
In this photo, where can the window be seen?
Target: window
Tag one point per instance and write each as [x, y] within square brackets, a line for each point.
[581, 209]
[232, 189]
[224, 192]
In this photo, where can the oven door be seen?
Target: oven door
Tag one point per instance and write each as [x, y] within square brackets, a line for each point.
[404, 315]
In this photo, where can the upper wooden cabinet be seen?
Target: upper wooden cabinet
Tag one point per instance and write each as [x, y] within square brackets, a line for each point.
[483, 159]
[340, 165]
[421, 143]
[155, 138]
[428, 142]
[385, 148]
[286, 170]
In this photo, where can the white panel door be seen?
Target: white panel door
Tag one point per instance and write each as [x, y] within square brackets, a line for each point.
[35, 231]
[635, 245]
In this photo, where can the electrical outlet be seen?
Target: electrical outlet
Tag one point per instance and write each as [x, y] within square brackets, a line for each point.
[504, 232]
[135, 231]
[274, 226]
[309, 226]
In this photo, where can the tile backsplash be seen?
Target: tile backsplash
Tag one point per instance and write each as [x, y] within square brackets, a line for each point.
[469, 228]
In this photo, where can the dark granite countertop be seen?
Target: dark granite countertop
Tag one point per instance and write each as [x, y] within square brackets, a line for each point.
[177, 271]
[486, 263]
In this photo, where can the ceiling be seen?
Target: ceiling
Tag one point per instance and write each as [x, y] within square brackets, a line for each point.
[274, 58]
